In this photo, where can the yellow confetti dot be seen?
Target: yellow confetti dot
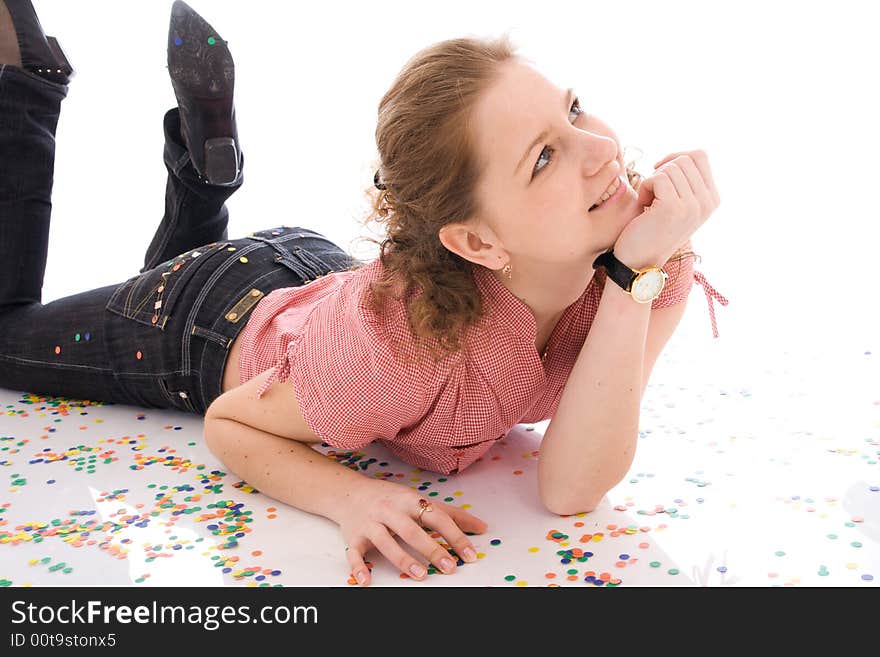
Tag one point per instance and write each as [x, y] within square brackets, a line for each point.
[480, 555]
[522, 583]
[33, 562]
[458, 492]
[533, 549]
[465, 506]
[243, 259]
[852, 566]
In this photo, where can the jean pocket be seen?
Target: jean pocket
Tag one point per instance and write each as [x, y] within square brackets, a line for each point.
[149, 298]
[179, 389]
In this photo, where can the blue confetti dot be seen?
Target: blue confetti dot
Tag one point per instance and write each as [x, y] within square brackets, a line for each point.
[495, 541]
[276, 572]
[722, 569]
[623, 557]
[51, 481]
[178, 41]
[867, 577]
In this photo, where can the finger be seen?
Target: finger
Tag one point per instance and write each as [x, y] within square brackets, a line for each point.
[702, 161]
[679, 180]
[450, 527]
[415, 536]
[660, 187]
[386, 544]
[697, 183]
[671, 157]
[355, 555]
[467, 521]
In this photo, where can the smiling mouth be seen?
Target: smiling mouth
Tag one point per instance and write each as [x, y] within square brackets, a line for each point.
[608, 193]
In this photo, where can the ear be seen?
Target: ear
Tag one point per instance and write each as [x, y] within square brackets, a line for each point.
[476, 242]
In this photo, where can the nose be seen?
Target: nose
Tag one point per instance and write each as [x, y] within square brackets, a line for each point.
[597, 151]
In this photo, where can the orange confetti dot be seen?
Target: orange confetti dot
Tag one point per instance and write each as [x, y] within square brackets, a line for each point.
[256, 553]
[611, 527]
[517, 472]
[644, 545]
[550, 575]
[271, 509]
[272, 516]
[57, 349]
[620, 564]
[139, 355]
[572, 578]
[578, 524]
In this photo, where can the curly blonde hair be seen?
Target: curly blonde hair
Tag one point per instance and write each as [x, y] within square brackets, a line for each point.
[429, 172]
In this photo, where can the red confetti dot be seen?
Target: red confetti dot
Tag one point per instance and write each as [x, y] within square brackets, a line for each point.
[57, 349]
[139, 355]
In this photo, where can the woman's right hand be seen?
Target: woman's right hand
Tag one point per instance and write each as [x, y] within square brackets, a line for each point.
[677, 199]
[378, 510]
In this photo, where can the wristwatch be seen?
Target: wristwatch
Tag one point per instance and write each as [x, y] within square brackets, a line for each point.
[643, 285]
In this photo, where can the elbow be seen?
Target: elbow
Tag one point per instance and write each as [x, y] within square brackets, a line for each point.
[213, 434]
[569, 505]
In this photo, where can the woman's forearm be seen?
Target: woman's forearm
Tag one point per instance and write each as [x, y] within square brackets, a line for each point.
[286, 470]
[590, 443]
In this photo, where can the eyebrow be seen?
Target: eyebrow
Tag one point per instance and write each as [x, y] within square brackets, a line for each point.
[568, 96]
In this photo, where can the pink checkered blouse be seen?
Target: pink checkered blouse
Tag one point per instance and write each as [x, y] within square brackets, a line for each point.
[438, 416]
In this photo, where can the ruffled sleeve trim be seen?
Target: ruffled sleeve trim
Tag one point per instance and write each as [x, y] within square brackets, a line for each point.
[280, 370]
[710, 293]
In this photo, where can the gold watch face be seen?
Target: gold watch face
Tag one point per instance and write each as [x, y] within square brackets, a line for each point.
[648, 285]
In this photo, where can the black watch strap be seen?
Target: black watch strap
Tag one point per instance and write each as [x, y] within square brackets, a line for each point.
[616, 270]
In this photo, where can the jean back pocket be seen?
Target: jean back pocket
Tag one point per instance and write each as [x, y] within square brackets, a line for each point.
[150, 297]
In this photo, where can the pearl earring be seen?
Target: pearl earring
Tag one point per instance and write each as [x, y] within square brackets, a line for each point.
[507, 269]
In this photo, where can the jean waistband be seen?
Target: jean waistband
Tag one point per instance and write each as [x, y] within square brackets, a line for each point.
[220, 307]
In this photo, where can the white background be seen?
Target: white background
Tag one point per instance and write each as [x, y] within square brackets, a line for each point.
[782, 96]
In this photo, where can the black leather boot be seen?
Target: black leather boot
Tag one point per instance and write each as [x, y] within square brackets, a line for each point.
[203, 76]
[39, 53]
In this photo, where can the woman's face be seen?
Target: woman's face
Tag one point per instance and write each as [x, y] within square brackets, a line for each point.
[546, 160]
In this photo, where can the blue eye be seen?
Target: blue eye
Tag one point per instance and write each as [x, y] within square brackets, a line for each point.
[576, 108]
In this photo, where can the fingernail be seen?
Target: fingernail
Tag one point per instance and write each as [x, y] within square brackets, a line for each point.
[417, 570]
[447, 564]
[469, 554]
[360, 576]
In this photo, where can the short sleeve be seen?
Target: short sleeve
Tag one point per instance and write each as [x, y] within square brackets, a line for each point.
[350, 388]
[680, 272]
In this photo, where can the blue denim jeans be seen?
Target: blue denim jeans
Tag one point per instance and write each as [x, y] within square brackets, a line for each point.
[159, 339]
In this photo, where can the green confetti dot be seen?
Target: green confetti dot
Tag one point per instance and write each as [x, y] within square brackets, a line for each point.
[67, 570]
[673, 571]
[779, 553]
[856, 544]
[76, 337]
[572, 571]
[654, 564]
[510, 578]
[832, 536]
[211, 41]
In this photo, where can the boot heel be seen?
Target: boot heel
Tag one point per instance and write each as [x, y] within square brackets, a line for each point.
[221, 161]
[62, 64]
